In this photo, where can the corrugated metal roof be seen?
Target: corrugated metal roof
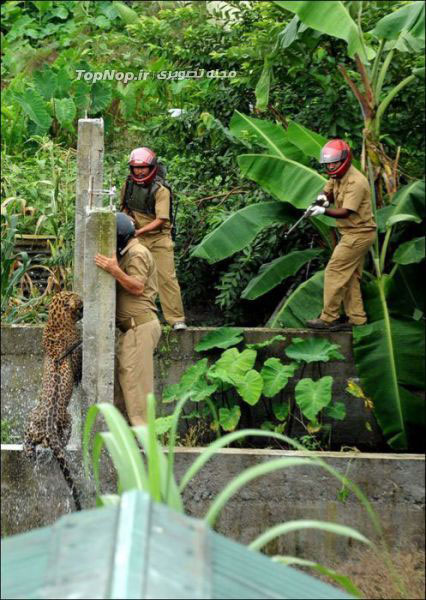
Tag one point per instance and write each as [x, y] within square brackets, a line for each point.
[140, 549]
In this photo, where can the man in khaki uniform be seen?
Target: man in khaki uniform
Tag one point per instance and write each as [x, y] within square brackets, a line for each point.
[350, 192]
[147, 201]
[136, 317]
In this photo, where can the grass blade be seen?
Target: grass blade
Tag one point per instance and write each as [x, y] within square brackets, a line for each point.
[133, 474]
[343, 580]
[284, 528]
[245, 477]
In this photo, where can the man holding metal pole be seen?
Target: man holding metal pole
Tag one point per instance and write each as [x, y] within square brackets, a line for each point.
[349, 191]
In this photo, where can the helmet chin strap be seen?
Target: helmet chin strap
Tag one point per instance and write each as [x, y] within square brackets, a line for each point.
[141, 180]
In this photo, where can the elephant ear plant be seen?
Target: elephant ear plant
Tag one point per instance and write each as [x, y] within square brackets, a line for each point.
[230, 389]
[152, 471]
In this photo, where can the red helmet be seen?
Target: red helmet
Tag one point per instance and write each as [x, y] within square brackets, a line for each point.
[143, 157]
[336, 151]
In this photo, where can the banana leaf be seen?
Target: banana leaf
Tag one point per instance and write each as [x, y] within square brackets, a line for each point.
[408, 19]
[303, 304]
[265, 133]
[263, 85]
[389, 356]
[273, 273]
[410, 200]
[308, 141]
[287, 180]
[333, 19]
[410, 252]
[241, 228]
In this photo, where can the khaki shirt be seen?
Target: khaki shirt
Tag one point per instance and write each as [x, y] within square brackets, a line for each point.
[137, 261]
[352, 191]
[162, 211]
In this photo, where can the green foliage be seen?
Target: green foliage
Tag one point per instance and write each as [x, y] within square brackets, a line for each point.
[233, 377]
[153, 473]
[312, 396]
[220, 338]
[313, 350]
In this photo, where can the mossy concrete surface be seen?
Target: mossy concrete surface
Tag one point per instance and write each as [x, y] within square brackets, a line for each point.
[394, 484]
[22, 358]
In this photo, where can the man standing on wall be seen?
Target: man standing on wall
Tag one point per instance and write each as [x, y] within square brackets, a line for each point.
[136, 317]
[148, 202]
[349, 191]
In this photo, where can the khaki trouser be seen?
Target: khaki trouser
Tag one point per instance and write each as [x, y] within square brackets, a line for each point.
[342, 278]
[135, 369]
[161, 247]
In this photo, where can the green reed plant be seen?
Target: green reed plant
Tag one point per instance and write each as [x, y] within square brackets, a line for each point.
[153, 472]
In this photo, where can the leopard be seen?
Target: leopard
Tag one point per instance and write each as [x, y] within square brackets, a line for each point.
[49, 423]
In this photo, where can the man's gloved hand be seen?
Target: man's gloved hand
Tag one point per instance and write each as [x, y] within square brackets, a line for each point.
[314, 210]
[322, 200]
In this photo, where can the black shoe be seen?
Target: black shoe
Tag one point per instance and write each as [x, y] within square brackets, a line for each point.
[323, 325]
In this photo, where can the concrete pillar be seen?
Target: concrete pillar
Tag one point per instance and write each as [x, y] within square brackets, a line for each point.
[99, 308]
[90, 152]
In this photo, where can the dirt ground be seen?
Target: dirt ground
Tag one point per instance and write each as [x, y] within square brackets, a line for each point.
[370, 574]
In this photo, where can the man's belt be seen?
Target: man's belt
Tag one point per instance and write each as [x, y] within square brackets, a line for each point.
[126, 324]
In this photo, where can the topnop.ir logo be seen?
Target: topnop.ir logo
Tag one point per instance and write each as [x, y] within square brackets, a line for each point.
[142, 75]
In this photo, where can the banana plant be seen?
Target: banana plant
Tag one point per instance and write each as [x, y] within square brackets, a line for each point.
[402, 30]
[282, 171]
[389, 351]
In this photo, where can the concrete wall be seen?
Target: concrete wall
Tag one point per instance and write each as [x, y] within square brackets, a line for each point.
[394, 484]
[22, 359]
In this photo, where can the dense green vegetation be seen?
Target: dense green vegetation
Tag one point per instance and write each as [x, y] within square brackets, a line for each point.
[234, 154]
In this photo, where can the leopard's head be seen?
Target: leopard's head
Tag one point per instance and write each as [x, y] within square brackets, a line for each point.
[65, 305]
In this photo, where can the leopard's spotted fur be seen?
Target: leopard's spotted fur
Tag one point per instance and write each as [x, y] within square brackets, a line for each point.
[50, 422]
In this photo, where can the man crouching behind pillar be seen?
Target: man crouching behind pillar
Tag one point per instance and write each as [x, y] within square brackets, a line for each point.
[136, 317]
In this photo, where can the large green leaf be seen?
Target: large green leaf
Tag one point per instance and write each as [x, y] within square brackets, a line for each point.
[313, 349]
[401, 218]
[250, 387]
[65, 111]
[224, 337]
[272, 340]
[332, 18]
[101, 96]
[389, 356]
[304, 303]
[412, 251]
[308, 141]
[285, 179]
[233, 365]
[229, 417]
[265, 133]
[35, 107]
[243, 362]
[193, 374]
[312, 396]
[275, 376]
[403, 25]
[290, 33]
[241, 228]
[45, 82]
[410, 200]
[273, 273]
[263, 85]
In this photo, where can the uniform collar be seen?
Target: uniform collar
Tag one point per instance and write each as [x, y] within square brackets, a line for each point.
[342, 180]
[130, 244]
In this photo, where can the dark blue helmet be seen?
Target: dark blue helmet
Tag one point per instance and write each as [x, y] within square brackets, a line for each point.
[125, 230]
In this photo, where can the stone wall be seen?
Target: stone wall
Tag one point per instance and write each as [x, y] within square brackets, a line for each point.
[394, 484]
[22, 359]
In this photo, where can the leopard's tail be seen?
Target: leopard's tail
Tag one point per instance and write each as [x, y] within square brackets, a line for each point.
[63, 465]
